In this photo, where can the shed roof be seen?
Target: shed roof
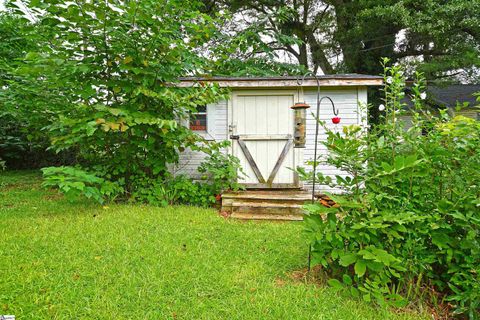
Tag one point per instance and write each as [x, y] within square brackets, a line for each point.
[286, 81]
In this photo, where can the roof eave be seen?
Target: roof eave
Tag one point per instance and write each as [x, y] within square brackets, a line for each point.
[282, 82]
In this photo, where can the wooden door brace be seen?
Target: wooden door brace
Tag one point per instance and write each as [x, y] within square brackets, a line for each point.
[250, 160]
[283, 155]
[253, 164]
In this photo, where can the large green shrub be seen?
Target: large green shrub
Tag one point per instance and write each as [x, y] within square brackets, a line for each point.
[407, 225]
[112, 66]
[221, 170]
[26, 105]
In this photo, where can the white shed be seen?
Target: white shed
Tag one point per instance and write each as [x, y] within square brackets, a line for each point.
[260, 123]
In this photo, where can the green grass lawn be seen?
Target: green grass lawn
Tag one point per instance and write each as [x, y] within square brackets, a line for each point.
[62, 260]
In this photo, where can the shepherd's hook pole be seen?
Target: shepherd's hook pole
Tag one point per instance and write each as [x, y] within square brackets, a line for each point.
[317, 122]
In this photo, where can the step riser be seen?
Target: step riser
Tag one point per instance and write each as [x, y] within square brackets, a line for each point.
[230, 201]
[267, 210]
[254, 216]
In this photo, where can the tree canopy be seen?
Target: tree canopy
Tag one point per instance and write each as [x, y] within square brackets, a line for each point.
[439, 38]
[98, 83]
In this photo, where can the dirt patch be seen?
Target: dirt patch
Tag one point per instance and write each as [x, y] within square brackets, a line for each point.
[314, 276]
[303, 276]
[225, 214]
[13, 186]
[279, 282]
[53, 196]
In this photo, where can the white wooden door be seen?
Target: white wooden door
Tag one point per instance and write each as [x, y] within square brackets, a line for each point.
[262, 137]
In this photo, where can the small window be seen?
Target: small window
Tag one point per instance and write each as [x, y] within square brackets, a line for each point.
[198, 120]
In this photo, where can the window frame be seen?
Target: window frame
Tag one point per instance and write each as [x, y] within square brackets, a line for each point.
[194, 114]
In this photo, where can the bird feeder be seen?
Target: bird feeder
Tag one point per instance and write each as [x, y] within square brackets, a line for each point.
[299, 135]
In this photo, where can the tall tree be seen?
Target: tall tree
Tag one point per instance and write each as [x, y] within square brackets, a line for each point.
[439, 37]
[111, 64]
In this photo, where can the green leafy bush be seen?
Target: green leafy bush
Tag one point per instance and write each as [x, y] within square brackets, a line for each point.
[191, 192]
[407, 226]
[220, 172]
[178, 190]
[26, 105]
[75, 182]
[101, 77]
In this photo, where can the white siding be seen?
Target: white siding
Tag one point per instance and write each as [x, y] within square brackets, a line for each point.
[348, 102]
[217, 129]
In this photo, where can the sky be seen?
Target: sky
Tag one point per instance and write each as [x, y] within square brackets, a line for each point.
[2, 4]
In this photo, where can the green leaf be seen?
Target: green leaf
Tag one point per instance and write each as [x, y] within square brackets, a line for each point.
[360, 268]
[347, 280]
[354, 292]
[334, 283]
[347, 259]
[383, 256]
[441, 239]
[115, 111]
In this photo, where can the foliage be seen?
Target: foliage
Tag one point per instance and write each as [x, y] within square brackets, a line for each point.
[408, 224]
[254, 67]
[189, 192]
[25, 104]
[108, 71]
[74, 182]
[177, 190]
[243, 53]
[222, 171]
[439, 38]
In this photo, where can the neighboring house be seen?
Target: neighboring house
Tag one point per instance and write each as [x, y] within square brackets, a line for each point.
[449, 96]
[260, 123]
